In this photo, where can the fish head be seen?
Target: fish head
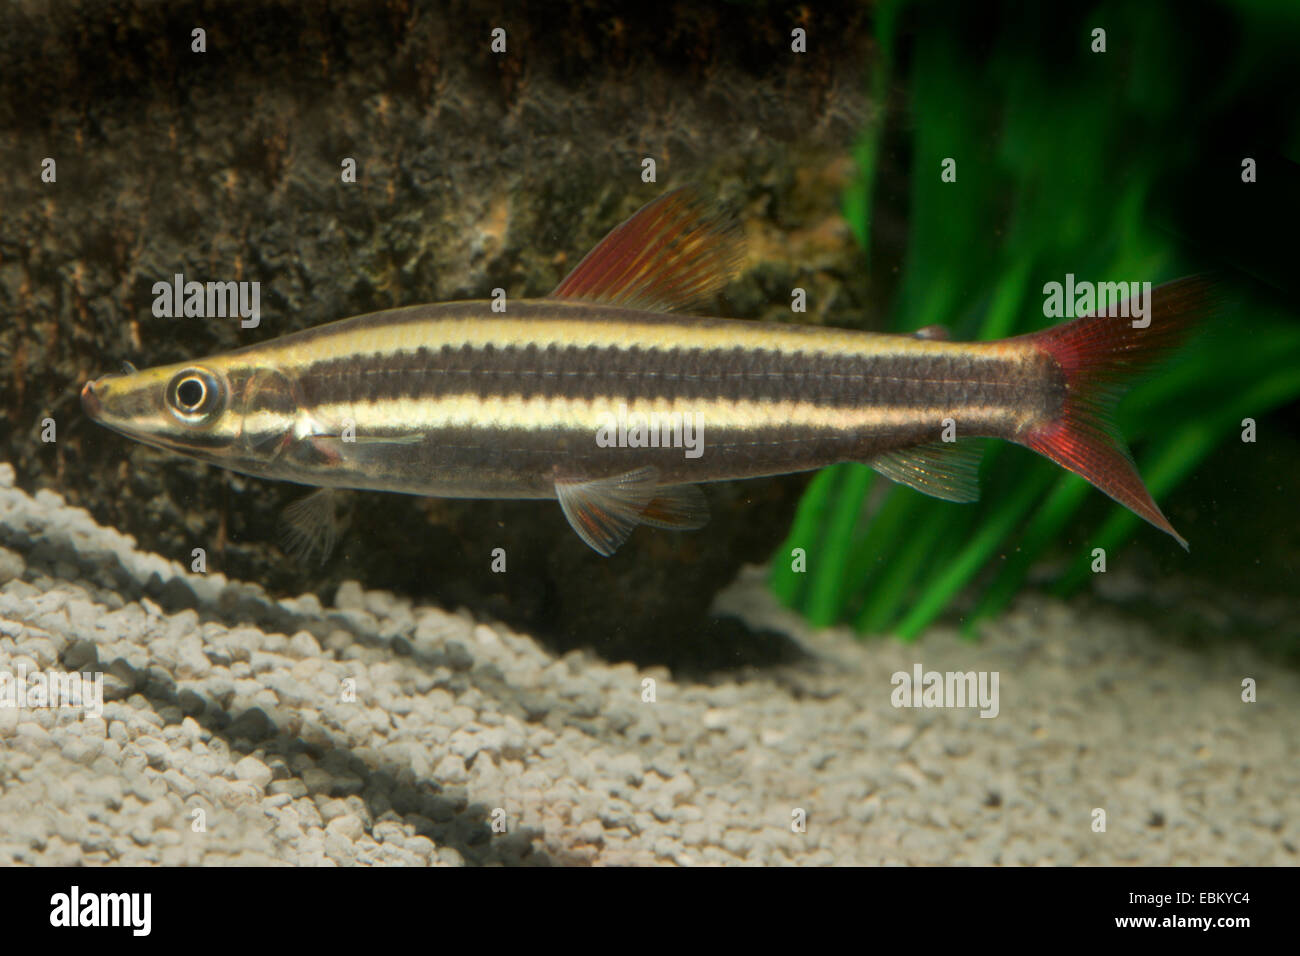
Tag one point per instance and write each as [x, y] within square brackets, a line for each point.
[215, 410]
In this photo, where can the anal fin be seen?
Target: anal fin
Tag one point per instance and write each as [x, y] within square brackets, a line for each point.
[947, 470]
[605, 511]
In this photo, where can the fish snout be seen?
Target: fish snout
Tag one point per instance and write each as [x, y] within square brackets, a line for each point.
[90, 403]
[92, 396]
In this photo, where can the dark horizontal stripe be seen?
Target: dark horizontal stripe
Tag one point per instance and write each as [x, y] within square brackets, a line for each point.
[630, 374]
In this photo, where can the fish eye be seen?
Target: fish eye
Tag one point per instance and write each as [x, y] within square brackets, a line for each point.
[190, 392]
[194, 396]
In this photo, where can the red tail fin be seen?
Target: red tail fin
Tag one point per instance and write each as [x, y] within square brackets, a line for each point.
[1099, 355]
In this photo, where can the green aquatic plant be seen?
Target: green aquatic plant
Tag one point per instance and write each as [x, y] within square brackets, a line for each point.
[1042, 189]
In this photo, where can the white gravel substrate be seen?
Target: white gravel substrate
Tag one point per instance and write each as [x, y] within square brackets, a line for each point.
[469, 743]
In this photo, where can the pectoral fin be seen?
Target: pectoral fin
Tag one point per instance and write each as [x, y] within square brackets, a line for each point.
[311, 525]
[605, 511]
[947, 470]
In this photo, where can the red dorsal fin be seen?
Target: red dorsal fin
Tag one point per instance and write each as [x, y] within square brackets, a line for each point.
[673, 253]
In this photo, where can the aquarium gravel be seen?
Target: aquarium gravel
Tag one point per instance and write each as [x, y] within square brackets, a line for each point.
[378, 731]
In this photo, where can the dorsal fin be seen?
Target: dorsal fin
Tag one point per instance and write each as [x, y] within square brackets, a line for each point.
[672, 253]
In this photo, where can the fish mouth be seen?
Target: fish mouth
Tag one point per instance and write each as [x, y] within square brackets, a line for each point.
[93, 396]
[91, 401]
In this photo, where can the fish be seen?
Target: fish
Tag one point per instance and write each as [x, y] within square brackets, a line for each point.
[610, 397]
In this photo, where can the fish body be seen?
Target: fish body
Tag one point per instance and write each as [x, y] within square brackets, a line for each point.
[605, 397]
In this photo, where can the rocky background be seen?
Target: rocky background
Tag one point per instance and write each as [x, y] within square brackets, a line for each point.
[475, 170]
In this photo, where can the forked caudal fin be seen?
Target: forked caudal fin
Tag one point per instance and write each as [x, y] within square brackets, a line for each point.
[1099, 355]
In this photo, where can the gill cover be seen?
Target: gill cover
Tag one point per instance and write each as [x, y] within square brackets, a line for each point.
[271, 403]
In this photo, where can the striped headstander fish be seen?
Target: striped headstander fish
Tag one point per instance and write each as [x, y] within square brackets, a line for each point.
[606, 396]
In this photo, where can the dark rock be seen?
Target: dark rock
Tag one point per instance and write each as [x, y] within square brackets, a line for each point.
[177, 595]
[158, 685]
[120, 680]
[458, 658]
[81, 655]
[252, 725]
[191, 704]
